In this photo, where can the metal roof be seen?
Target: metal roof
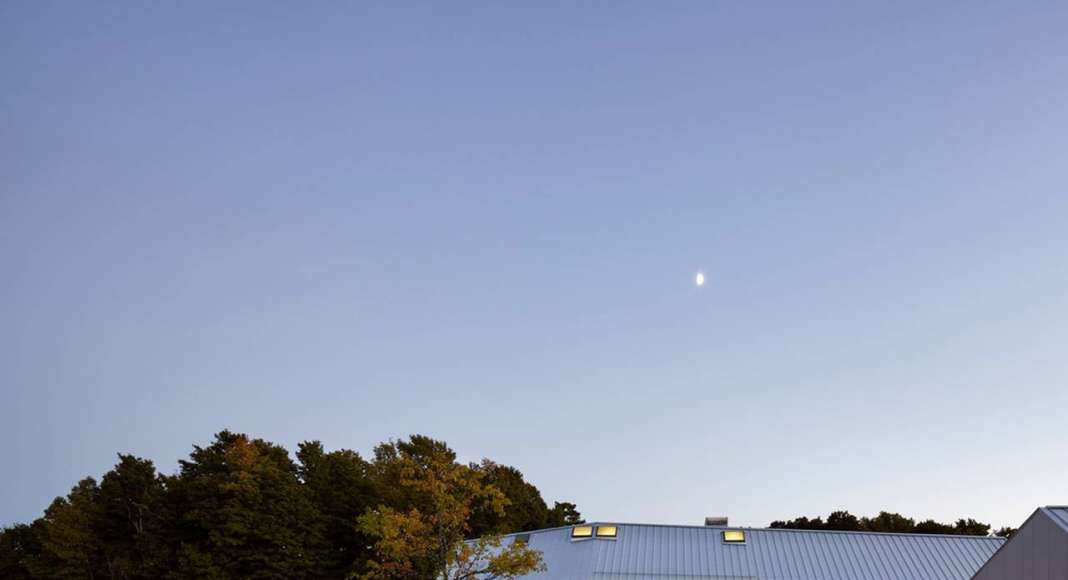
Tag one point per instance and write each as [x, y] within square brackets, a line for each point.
[1038, 550]
[657, 552]
[1059, 515]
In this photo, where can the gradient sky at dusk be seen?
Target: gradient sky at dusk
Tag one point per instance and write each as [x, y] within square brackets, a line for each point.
[481, 222]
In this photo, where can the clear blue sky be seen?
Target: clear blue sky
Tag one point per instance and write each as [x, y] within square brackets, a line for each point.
[481, 221]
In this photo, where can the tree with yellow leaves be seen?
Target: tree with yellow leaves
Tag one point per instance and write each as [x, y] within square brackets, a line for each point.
[428, 539]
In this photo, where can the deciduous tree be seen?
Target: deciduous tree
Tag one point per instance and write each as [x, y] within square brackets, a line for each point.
[421, 534]
[884, 522]
[487, 559]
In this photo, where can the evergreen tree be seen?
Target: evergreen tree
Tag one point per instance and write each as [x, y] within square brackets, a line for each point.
[19, 549]
[241, 513]
[128, 524]
[525, 509]
[69, 548]
[340, 487]
[564, 513]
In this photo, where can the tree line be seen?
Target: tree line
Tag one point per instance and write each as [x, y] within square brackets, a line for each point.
[890, 522]
[244, 508]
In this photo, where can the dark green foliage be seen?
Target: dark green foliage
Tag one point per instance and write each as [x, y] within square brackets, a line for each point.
[933, 527]
[111, 530]
[884, 522]
[340, 486]
[970, 527]
[842, 521]
[129, 520]
[889, 522]
[242, 508]
[564, 513]
[801, 523]
[69, 549]
[20, 547]
[526, 510]
[1006, 532]
[240, 512]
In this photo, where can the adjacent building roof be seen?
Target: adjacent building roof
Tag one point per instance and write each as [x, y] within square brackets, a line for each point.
[1059, 514]
[656, 552]
[1037, 551]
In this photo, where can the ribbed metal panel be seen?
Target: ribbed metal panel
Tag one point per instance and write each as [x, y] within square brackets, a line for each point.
[1059, 514]
[1037, 551]
[651, 552]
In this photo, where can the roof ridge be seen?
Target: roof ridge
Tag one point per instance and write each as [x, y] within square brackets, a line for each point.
[755, 529]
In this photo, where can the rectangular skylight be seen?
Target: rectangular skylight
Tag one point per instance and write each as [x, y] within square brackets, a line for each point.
[582, 532]
[733, 536]
[606, 531]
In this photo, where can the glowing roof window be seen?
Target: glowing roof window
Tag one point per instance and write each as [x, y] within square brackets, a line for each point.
[607, 531]
[582, 532]
[733, 536]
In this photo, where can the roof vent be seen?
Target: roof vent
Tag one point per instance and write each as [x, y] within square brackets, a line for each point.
[716, 521]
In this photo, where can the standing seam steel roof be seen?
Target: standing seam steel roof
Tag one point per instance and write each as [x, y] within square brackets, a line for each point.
[1030, 551]
[657, 552]
[1059, 515]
